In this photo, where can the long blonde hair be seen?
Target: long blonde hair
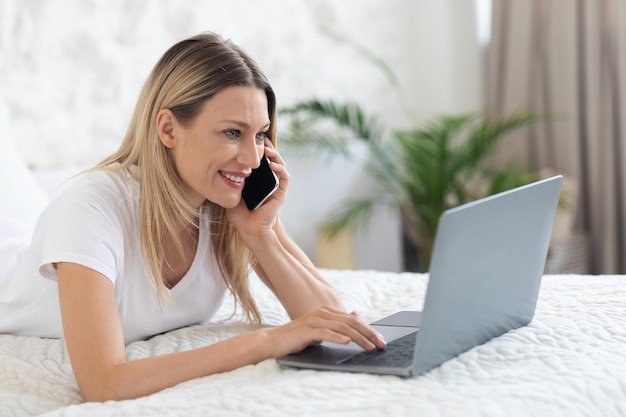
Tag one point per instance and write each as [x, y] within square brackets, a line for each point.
[188, 74]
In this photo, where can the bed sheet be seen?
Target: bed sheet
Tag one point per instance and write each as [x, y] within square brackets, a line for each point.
[570, 361]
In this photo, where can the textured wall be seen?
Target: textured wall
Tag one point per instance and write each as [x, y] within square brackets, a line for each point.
[70, 70]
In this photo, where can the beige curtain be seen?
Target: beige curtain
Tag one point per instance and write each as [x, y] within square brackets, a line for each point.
[568, 58]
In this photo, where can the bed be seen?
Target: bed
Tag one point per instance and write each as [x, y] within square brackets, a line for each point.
[570, 361]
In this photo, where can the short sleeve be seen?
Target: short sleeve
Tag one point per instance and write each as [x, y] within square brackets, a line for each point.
[80, 227]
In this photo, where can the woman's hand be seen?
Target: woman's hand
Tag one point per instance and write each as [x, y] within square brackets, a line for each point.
[324, 324]
[252, 224]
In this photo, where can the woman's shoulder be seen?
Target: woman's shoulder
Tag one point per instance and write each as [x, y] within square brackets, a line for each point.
[110, 192]
[105, 200]
[109, 184]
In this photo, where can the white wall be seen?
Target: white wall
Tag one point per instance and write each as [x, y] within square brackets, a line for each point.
[70, 70]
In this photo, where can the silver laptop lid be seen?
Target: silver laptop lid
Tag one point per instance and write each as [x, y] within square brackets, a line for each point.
[485, 271]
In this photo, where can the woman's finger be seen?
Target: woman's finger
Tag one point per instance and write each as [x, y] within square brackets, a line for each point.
[351, 326]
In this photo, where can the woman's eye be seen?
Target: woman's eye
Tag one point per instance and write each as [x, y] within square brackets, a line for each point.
[261, 136]
[232, 134]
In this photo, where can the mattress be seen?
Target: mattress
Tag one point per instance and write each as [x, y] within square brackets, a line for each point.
[569, 361]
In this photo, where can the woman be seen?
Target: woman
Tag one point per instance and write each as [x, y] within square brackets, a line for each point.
[151, 239]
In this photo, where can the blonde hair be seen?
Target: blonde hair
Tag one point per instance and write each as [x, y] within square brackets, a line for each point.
[188, 74]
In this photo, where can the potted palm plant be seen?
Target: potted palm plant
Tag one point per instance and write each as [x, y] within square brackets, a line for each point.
[419, 172]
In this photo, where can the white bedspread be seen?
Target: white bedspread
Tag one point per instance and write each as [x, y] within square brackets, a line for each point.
[570, 361]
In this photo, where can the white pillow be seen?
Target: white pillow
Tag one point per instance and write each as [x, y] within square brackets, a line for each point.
[21, 197]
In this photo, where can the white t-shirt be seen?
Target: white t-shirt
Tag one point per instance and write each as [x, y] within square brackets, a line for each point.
[95, 223]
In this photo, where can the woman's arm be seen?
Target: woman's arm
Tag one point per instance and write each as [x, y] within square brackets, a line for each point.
[279, 262]
[95, 342]
[291, 275]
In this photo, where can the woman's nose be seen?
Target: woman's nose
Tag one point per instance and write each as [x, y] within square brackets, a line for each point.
[250, 154]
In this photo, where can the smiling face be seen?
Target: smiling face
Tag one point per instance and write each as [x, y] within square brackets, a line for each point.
[220, 147]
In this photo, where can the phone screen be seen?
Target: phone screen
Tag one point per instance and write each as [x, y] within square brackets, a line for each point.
[259, 185]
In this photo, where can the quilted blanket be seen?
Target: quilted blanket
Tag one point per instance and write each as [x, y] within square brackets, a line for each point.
[570, 361]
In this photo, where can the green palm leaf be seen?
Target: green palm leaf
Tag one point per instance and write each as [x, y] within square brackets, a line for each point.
[353, 213]
[347, 115]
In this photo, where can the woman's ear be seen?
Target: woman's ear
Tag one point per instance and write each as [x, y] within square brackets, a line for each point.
[166, 124]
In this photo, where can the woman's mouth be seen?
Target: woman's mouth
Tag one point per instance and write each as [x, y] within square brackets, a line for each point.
[234, 178]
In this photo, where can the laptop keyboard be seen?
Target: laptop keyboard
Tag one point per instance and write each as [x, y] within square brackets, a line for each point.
[397, 354]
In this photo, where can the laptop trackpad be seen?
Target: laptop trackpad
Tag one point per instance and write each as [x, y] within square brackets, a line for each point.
[391, 327]
[329, 352]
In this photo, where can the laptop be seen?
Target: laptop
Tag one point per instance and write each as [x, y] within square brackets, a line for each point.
[485, 272]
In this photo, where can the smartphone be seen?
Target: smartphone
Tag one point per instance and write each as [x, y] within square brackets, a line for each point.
[260, 185]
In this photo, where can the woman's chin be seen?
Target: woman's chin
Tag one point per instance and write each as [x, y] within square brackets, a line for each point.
[228, 204]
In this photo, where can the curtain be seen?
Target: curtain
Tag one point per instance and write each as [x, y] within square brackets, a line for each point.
[567, 59]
